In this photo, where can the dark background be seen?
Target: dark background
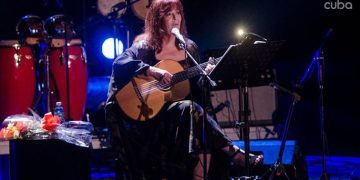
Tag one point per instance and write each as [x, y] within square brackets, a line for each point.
[212, 23]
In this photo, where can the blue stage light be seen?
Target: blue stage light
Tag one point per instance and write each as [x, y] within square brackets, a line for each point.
[108, 47]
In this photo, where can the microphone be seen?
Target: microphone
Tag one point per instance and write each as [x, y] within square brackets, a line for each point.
[221, 106]
[176, 33]
[115, 9]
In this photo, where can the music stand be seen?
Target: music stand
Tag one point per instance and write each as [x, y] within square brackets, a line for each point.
[245, 65]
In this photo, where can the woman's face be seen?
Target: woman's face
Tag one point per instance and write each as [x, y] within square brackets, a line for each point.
[172, 19]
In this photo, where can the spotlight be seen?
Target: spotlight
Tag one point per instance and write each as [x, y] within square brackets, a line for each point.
[108, 49]
[240, 32]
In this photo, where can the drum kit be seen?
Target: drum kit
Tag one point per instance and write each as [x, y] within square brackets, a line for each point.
[44, 65]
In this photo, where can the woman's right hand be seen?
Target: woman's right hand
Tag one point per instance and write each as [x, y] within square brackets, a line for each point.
[161, 75]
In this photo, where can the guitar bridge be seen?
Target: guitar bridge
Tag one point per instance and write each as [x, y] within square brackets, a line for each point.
[145, 111]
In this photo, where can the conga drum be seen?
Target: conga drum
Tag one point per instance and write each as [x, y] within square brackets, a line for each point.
[17, 76]
[30, 30]
[59, 27]
[68, 86]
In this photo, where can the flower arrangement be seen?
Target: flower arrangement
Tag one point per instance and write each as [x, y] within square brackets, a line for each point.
[13, 131]
[48, 127]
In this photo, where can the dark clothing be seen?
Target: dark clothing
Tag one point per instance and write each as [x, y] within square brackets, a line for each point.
[162, 146]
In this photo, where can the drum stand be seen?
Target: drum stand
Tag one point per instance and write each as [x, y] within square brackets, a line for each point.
[44, 84]
[43, 79]
[48, 89]
[67, 71]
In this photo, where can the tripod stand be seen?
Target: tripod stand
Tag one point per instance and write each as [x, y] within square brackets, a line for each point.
[277, 167]
[318, 59]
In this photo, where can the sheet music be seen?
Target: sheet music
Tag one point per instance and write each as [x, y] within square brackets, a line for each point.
[222, 57]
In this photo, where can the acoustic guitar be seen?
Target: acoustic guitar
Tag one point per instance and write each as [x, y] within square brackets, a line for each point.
[142, 99]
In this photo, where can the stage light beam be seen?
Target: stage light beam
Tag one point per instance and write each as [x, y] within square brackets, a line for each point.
[108, 47]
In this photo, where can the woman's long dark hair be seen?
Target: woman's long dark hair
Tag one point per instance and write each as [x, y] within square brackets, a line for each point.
[155, 29]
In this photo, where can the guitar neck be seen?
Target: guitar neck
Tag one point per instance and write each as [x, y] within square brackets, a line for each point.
[190, 72]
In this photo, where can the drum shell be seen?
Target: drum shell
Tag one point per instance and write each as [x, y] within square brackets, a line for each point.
[77, 69]
[17, 76]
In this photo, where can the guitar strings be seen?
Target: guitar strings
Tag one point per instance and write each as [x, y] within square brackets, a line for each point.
[151, 86]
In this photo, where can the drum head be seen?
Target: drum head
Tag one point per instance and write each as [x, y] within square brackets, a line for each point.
[30, 26]
[59, 27]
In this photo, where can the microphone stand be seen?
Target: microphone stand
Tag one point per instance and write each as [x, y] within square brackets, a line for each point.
[203, 73]
[212, 83]
[319, 60]
[113, 17]
[322, 117]
[118, 7]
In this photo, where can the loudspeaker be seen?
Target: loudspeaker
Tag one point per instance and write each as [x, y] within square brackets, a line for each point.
[262, 104]
[293, 161]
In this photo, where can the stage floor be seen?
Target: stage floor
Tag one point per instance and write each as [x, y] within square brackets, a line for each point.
[338, 167]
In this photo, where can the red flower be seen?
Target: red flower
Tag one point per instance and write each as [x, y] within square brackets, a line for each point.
[6, 133]
[21, 127]
[50, 122]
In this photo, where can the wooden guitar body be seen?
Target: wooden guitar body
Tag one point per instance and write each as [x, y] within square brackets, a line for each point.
[143, 98]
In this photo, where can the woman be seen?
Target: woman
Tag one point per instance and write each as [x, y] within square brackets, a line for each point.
[168, 143]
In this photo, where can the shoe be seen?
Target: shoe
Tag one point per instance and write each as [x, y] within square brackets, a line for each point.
[238, 158]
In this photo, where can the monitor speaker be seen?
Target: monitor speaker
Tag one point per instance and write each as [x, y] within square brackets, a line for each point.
[262, 104]
[293, 161]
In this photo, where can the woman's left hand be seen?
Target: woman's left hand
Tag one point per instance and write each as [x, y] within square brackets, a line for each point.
[209, 68]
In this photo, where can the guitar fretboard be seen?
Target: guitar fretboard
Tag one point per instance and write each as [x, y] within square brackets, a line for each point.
[191, 72]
